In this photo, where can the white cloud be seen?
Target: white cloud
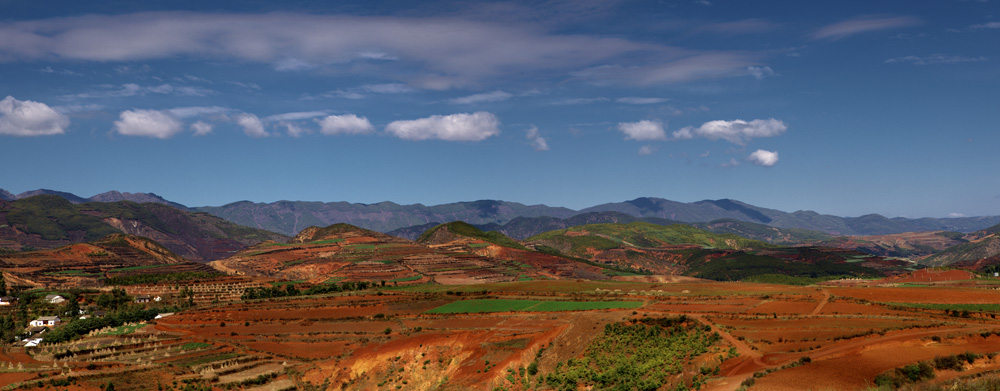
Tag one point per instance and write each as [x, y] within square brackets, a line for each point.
[252, 126]
[957, 215]
[862, 25]
[934, 59]
[201, 128]
[537, 141]
[736, 131]
[345, 124]
[456, 127]
[294, 130]
[990, 25]
[764, 158]
[632, 100]
[647, 150]
[148, 123]
[300, 115]
[443, 52]
[30, 118]
[495, 96]
[644, 130]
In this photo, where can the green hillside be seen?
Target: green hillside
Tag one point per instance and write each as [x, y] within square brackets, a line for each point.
[577, 239]
[461, 228]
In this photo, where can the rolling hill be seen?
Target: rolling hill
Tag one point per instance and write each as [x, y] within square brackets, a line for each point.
[88, 264]
[49, 221]
[683, 249]
[979, 245]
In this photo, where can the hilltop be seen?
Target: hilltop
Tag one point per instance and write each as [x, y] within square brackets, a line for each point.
[88, 264]
[49, 221]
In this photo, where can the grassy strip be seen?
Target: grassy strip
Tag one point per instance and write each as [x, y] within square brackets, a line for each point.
[125, 269]
[405, 279]
[506, 305]
[283, 283]
[124, 330]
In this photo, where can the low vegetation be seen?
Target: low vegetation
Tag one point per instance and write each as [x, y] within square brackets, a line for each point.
[641, 355]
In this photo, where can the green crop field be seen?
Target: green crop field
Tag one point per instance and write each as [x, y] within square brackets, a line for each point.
[283, 283]
[124, 330]
[410, 278]
[506, 305]
[125, 269]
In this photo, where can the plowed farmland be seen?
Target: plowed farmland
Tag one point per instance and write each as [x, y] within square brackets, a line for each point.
[531, 335]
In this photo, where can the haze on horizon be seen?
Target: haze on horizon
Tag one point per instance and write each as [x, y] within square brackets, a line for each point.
[841, 108]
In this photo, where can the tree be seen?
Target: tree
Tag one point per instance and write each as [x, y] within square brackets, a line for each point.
[3, 286]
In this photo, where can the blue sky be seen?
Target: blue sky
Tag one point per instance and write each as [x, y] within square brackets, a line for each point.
[842, 107]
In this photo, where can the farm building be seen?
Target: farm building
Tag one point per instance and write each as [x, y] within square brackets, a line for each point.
[54, 299]
[47, 321]
[7, 300]
[142, 299]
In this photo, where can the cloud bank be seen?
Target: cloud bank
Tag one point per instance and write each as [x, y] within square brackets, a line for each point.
[448, 52]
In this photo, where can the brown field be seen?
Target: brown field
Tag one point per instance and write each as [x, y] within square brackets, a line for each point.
[367, 341]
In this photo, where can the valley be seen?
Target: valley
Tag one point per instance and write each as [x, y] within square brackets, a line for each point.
[616, 301]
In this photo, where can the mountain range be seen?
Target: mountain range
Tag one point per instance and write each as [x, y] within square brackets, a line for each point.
[289, 217]
[110, 196]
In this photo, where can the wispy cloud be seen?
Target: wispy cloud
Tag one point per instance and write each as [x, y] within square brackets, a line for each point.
[132, 89]
[747, 26]
[990, 25]
[456, 127]
[442, 52]
[197, 111]
[362, 92]
[30, 118]
[737, 131]
[673, 71]
[644, 130]
[487, 97]
[201, 128]
[295, 116]
[646, 150]
[536, 140]
[934, 59]
[862, 25]
[579, 101]
[633, 100]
